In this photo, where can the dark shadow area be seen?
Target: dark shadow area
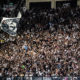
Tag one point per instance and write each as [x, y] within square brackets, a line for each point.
[40, 5]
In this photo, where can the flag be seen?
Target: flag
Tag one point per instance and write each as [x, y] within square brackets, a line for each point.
[9, 25]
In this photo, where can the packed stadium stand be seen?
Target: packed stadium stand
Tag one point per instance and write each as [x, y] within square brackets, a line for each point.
[47, 41]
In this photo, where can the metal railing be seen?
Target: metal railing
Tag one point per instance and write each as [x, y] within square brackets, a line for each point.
[39, 78]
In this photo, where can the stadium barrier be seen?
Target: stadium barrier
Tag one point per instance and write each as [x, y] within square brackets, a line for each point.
[39, 78]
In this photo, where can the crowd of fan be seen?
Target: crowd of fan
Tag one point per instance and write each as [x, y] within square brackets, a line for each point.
[53, 41]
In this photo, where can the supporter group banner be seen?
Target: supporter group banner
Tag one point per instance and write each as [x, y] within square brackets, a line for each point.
[9, 25]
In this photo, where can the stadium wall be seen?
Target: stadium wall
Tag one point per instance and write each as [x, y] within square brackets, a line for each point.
[53, 2]
[28, 2]
[78, 2]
